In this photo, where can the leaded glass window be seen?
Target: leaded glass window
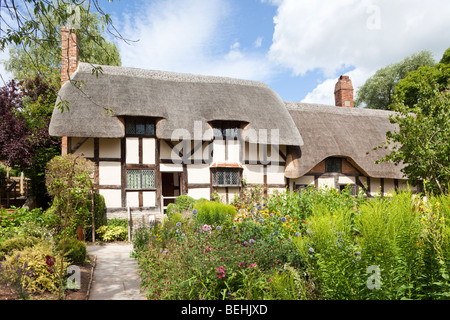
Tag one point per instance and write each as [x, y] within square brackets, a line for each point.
[140, 179]
[227, 177]
[333, 165]
[140, 127]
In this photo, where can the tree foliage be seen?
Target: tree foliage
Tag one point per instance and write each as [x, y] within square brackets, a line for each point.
[422, 140]
[42, 53]
[15, 145]
[377, 91]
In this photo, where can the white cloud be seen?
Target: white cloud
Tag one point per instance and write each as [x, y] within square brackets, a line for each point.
[5, 75]
[188, 36]
[258, 42]
[332, 36]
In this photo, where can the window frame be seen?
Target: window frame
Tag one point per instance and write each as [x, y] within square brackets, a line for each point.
[140, 121]
[227, 130]
[141, 187]
[215, 172]
[330, 165]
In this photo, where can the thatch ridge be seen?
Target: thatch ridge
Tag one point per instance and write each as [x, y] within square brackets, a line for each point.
[352, 133]
[179, 100]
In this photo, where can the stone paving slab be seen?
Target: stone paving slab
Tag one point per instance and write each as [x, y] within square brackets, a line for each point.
[116, 275]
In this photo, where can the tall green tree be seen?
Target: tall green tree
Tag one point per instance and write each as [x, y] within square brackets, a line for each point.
[43, 55]
[422, 140]
[36, 63]
[377, 91]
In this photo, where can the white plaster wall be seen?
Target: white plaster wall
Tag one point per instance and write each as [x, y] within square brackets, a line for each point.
[113, 198]
[232, 192]
[86, 149]
[198, 173]
[275, 174]
[389, 186]
[219, 151]
[164, 150]
[132, 150]
[304, 180]
[169, 167]
[198, 193]
[326, 183]
[149, 199]
[110, 173]
[251, 152]
[133, 199]
[375, 184]
[109, 148]
[253, 174]
[347, 180]
[363, 181]
[148, 150]
[233, 147]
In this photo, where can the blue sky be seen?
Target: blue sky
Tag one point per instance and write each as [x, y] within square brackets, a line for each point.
[298, 47]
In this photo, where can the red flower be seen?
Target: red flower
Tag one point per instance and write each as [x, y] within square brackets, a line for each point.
[50, 261]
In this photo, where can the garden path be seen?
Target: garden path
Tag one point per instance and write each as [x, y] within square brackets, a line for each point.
[116, 274]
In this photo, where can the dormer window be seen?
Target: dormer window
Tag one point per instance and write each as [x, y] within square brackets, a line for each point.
[139, 126]
[227, 130]
[333, 165]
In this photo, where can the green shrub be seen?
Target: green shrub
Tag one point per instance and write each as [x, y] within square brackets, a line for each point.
[112, 233]
[17, 244]
[211, 212]
[75, 251]
[28, 269]
[184, 203]
[99, 214]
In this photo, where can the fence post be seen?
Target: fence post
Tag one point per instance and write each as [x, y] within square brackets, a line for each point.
[129, 224]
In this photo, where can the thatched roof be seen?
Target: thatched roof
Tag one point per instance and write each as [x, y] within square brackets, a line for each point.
[178, 99]
[330, 131]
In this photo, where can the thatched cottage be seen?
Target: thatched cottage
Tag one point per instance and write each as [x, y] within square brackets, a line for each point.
[166, 134]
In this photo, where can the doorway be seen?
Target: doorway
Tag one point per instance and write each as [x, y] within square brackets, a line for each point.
[171, 187]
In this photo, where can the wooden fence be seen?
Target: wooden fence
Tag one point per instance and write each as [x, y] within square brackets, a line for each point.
[13, 191]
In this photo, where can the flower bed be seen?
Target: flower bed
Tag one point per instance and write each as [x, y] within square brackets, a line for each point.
[316, 245]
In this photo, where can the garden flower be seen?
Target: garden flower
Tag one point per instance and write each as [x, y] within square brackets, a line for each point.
[261, 221]
[283, 219]
[178, 224]
[311, 250]
[252, 241]
[245, 243]
[219, 228]
[194, 212]
[50, 261]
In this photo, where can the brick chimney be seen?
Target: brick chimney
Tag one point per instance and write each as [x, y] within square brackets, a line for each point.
[69, 58]
[343, 92]
[69, 64]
